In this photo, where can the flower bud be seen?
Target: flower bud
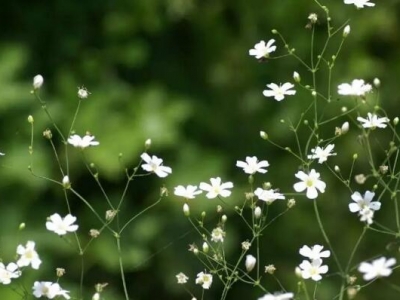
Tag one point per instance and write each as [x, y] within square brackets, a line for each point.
[296, 77]
[346, 31]
[337, 169]
[345, 127]
[396, 121]
[147, 144]
[263, 135]
[224, 218]
[96, 296]
[21, 226]
[60, 272]
[377, 82]
[205, 247]
[250, 262]
[65, 182]
[186, 210]
[291, 203]
[30, 119]
[37, 82]
[257, 212]
[270, 269]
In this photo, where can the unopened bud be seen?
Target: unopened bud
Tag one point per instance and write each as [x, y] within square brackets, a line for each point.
[346, 31]
[250, 262]
[337, 169]
[47, 134]
[291, 203]
[66, 183]
[205, 247]
[263, 135]
[38, 82]
[94, 233]
[396, 121]
[60, 272]
[270, 269]
[296, 77]
[355, 156]
[30, 119]
[147, 144]
[186, 210]
[21, 226]
[345, 127]
[96, 296]
[377, 82]
[257, 212]
[224, 218]
[360, 178]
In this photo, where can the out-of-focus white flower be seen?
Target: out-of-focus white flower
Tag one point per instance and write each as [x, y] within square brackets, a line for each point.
[268, 196]
[154, 164]
[373, 121]
[296, 77]
[38, 82]
[322, 154]
[357, 88]
[252, 165]
[377, 268]
[359, 3]
[314, 252]
[279, 91]
[277, 296]
[345, 127]
[83, 93]
[313, 269]
[182, 278]
[217, 235]
[262, 50]
[60, 225]
[49, 289]
[204, 279]
[309, 182]
[216, 188]
[8, 272]
[250, 262]
[28, 256]
[188, 192]
[88, 140]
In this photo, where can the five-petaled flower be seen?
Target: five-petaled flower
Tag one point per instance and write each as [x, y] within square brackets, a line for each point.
[364, 205]
[322, 153]
[60, 225]
[359, 3]
[279, 91]
[79, 142]
[356, 88]
[216, 188]
[277, 296]
[48, 289]
[309, 182]
[373, 121]
[154, 164]
[377, 268]
[252, 165]
[314, 252]
[217, 235]
[204, 279]
[262, 50]
[8, 272]
[313, 269]
[28, 256]
[268, 196]
[188, 192]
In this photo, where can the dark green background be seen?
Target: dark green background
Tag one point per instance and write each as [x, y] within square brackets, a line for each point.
[178, 72]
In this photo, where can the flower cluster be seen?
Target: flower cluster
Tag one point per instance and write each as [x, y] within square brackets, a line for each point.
[364, 206]
[313, 267]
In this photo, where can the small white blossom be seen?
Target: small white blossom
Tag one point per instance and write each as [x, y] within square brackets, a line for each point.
[279, 91]
[250, 262]
[8, 272]
[268, 196]
[182, 278]
[262, 50]
[313, 269]
[88, 140]
[314, 252]
[366, 215]
[48, 289]
[277, 296]
[359, 3]
[363, 202]
[216, 188]
[83, 93]
[204, 279]
[154, 164]
[309, 182]
[313, 17]
[60, 225]
[357, 88]
[377, 268]
[188, 192]
[217, 235]
[38, 82]
[28, 256]
[252, 165]
[322, 153]
[373, 121]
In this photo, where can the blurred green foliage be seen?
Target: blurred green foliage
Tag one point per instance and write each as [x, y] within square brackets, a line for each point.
[178, 72]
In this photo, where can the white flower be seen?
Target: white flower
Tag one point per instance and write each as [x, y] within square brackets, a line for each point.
[204, 279]
[359, 3]
[363, 202]
[60, 225]
[252, 165]
[38, 82]
[182, 278]
[314, 252]
[96, 296]
[311, 182]
[217, 235]
[154, 164]
[216, 188]
[279, 91]
[277, 296]
[268, 196]
[321, 153]
[48, 289]
[88, 140]
[357, 88]
[28, 256]
[378, 268]
[366, 215]
[188, 192]
[83, 93]
[373, 121]
[8, 273]
[262, 50]
[250, 262]
[313, 269]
